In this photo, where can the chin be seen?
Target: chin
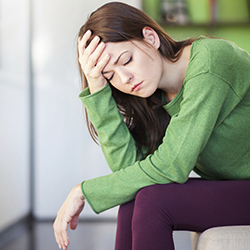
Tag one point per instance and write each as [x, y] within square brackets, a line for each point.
[145, 96]
[147, 93]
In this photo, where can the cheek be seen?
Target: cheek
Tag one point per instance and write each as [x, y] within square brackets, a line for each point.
[117, 84]
[148, 64]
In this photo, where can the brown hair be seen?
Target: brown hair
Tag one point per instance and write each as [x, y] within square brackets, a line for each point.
[146, 118]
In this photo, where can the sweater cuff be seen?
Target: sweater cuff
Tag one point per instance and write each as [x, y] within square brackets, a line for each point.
[98, 102]
[87, 199]
[85, 94]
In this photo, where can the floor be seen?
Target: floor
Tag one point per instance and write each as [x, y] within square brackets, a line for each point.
[88, 236]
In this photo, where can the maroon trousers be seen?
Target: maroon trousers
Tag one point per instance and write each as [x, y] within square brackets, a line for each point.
[147, 222]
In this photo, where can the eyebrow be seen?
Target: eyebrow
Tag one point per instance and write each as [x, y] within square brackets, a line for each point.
[117, 60]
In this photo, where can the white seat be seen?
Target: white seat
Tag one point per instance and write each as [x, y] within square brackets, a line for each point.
[223, 238]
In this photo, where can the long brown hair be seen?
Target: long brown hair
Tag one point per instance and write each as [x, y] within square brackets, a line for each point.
[146, 118]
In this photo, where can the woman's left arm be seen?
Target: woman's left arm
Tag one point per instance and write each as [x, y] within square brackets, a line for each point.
[185, 138]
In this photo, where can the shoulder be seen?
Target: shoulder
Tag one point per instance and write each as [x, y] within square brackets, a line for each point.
[217, 50]
[214, 43]
[219, 61]
[210, 55]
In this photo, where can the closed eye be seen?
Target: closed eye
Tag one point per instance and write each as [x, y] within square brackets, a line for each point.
[109, 79]
[130, 59]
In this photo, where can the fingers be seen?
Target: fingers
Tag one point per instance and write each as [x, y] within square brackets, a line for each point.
[92, 46]
[93, 61]
[72, 207]
[91, 54]
[82, 42]
[88, 57]
[102, 63]
[94, 52]
[61, 234]
[65, 237]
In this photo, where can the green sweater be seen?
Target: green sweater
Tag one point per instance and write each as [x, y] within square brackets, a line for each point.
[209, 131]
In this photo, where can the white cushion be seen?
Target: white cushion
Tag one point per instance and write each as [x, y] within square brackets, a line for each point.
[223, 238]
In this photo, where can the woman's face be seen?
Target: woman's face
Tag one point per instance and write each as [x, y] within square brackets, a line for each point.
[134, 67]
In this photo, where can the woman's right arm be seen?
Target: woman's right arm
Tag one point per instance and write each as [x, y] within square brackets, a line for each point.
[115, 139]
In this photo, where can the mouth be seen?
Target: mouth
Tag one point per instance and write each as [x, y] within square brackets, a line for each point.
[136, 87]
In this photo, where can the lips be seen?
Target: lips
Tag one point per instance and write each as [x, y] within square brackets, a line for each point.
[136, 87]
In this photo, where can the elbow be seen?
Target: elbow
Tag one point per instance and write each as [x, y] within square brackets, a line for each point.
[180, 178]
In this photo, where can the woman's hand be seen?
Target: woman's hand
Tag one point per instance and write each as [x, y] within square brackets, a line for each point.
[91, 64]
[68, 214]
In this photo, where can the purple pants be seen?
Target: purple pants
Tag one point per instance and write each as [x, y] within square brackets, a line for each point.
[147, 222]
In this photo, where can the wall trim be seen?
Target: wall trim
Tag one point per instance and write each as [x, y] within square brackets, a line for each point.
[16, 229]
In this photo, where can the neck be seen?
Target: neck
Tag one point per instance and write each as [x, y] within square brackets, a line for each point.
[174, 73]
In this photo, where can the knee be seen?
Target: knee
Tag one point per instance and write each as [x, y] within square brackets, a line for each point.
[157, 197]
[158, 204]
[151, 208]
[146, 199]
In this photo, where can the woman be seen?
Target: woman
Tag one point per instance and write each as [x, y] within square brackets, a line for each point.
[161, 109]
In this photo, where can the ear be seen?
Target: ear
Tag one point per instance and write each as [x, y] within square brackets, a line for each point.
[151, 37]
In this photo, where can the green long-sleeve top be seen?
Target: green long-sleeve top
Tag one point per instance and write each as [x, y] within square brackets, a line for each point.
[209, 130]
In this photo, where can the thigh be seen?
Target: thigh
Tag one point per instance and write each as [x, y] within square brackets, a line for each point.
[199, 204]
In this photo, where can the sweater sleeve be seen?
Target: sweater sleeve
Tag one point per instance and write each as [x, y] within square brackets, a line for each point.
[117, 143]
[186, 136]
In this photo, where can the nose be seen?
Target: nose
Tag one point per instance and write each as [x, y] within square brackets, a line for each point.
[125, 76]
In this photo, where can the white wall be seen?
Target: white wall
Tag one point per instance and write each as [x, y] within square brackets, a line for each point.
[14, 111]
[65, 154]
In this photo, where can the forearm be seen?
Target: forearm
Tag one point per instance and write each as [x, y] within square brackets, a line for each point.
[185, 138]
[108, 191]
[115, 138]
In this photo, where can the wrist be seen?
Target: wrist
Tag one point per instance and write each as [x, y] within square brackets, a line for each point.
[78, 192]
[96, 87]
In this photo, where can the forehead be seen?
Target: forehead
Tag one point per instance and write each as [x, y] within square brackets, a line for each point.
[116, 48]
